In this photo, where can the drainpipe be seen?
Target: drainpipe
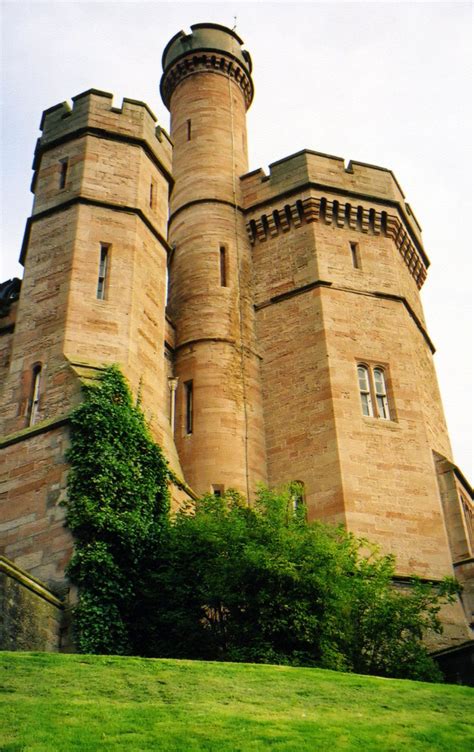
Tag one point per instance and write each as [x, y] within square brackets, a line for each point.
[173, 385]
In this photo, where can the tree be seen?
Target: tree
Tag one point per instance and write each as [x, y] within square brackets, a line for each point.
[261, 584]
[117, 510]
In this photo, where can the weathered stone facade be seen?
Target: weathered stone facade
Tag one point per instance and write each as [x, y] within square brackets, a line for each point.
[31, 617]
[292, 346]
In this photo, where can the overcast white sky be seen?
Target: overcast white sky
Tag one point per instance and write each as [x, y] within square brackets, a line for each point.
[384, 83]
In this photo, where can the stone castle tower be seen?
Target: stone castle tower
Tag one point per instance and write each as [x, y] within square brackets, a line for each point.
[292, 347]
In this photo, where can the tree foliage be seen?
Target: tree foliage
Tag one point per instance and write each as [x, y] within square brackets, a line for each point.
[222, 580]
[117, 508]
[261, 584]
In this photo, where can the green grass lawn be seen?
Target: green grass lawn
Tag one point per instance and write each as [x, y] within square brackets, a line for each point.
[80, 702]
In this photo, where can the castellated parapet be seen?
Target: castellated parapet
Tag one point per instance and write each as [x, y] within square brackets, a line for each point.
[94, 109]
[293, 346]
[364, 197]
[104, 143]
[209, 47]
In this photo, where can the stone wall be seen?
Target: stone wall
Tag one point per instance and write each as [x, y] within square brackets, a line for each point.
[31, 617]
[34, 476]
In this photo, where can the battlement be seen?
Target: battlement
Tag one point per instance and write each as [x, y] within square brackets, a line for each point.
[206, 36]
[324, 170]
[93, 110]
[209, 47]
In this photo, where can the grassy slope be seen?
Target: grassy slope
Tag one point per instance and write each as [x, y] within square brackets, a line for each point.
[75, 702]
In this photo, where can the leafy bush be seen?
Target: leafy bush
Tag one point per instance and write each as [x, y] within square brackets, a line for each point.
[261, 584]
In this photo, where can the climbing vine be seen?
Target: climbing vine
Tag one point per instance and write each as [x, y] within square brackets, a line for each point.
[117, 510]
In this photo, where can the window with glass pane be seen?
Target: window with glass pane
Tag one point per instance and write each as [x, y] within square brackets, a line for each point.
[35, 395]
[381, 394]
[297, 494]
[103, 263]
[364, 389]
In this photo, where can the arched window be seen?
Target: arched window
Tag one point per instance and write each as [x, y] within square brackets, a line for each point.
[381, 394]
[373, 391]
[297, 495]
[34, 394]
[364, 389]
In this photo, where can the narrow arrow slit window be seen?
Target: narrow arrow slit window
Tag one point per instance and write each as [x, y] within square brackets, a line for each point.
[189, 407]
[35, 395]
[103, 269]
[223, 265]
[63, 168]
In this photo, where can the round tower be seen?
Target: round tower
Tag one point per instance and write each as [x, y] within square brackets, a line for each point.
[207, 86]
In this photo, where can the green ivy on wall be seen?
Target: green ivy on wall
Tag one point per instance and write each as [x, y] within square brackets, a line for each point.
[118, 505]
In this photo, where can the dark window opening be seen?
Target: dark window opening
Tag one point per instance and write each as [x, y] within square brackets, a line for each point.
[322, 208]
[188, 391]
[222, 265]
[253, 230]
[372, 220]
[103, 265]
[300, 210]
[218, 490]
[347, 214]
[152, 195]
[63, 167]
[355, 255]
[188, 122]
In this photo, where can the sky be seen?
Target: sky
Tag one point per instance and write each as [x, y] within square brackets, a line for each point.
[385, 83]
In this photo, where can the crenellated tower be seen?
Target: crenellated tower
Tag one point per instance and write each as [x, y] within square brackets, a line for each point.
[219, 434]
[351, 402]
[95, 255]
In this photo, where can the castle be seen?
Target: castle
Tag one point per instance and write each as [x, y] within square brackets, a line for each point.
[272, 323]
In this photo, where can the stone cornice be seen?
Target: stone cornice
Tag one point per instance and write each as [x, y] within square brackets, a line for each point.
[324, 188]
[208, 61]
[374, 294]
[198, 201]
[227, 340]
[25, 579]
[85, 201]
[341, 214]
[461, 562]
[402, 579]
[30, 431]
[292, 293]
[102, 133]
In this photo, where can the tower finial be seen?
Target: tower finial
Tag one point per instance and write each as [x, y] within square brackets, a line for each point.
[235, 23]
